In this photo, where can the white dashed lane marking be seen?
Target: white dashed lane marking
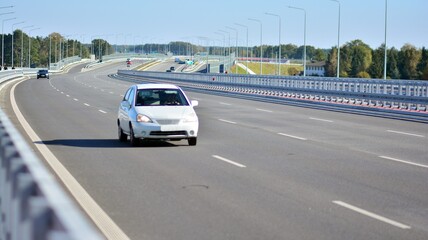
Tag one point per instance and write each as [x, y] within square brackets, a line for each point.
[403, 161]
[292, 136]
[227, 121]
[372, 215]
[264, 110]
[229, 161]
[405, 133]
[321, 120]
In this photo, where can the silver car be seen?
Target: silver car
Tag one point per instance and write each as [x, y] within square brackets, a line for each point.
[157, 112]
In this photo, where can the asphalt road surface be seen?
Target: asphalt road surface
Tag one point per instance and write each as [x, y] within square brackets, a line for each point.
[259, 170]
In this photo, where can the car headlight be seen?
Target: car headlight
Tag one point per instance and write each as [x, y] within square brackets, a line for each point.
[191, 118]
[143, 118]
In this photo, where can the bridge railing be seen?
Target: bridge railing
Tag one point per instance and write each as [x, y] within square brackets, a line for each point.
[403, 93]
[32, 203]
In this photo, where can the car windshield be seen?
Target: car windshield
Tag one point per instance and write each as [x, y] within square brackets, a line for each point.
[43, 71]
[160, 97]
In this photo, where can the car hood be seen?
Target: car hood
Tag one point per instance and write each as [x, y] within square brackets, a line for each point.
[165, 112]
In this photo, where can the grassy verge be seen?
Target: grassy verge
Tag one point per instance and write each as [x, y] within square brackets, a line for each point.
[269, 69]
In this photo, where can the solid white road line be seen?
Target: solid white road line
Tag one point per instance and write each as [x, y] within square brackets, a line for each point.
[227, 121]
[264, 110]
[291, 136]
[229, 161]
[403, 161]
[94, 211]
[320, 119]
[372, 215]
[404, 133]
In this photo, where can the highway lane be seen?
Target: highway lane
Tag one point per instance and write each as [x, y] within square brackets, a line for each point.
[165, 65]
[259, 171]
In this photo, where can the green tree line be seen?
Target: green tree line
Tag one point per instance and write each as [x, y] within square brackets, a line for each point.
[37, 51]
[358, 60]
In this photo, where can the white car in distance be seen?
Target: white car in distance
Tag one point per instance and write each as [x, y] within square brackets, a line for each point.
[157, 112]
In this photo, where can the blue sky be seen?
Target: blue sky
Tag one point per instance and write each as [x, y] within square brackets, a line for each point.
[162, 21]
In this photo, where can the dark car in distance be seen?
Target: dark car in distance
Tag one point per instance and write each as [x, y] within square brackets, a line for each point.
[42, 73]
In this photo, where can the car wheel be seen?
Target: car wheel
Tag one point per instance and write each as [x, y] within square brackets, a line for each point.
[134, 141]
[192, 141]
[122, 136]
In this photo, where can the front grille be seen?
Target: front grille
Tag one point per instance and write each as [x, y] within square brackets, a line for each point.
[168, 133]
[168, 121]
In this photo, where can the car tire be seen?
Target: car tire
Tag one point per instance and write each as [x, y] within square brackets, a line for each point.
[134, 141]
[122, 136]
[192, 141]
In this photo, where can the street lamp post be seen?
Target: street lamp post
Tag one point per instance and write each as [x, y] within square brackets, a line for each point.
[280, 53]
[29, 46]
[22, 43]
[386, 49]
[304, 39]
[224, 49]
[338, 41]
[2, 39]
[247, 43]
[13, 25]
[82, 36]
[208, 51]
[228, 45]
[60, 55]
[261, 43]
[236, 47]
[50, 52]
[66, 40]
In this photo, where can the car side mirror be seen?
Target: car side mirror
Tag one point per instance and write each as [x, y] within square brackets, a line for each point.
[125, 104]
[194, 103]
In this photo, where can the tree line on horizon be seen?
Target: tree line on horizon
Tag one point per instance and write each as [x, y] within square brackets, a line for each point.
[357, 59]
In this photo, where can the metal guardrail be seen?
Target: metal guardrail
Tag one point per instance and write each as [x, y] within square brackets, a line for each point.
[10, 74]
[64, 62]
[32, 203]
[403, 94]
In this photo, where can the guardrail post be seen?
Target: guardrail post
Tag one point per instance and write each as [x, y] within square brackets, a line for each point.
[40, 215]
[23, 190]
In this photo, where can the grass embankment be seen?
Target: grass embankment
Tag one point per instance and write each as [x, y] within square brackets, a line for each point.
[269, 69]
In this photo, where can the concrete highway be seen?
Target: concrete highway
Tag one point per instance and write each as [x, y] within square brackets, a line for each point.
[259, 171]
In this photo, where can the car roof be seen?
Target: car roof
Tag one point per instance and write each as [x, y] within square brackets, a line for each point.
[156, 86]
